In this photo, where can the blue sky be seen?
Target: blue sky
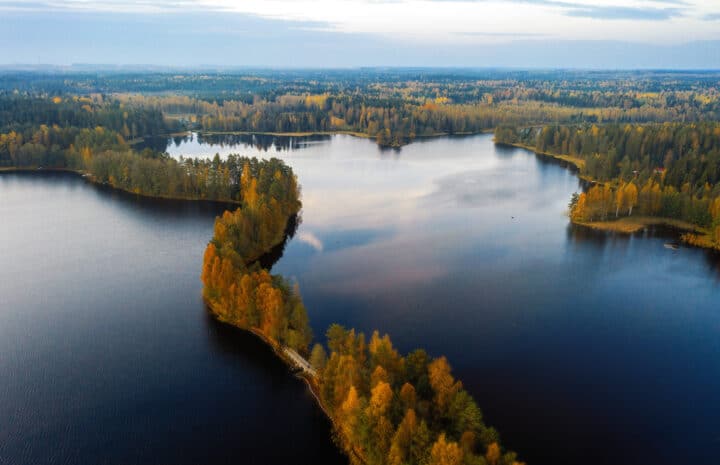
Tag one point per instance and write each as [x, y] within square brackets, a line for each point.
[344, 33]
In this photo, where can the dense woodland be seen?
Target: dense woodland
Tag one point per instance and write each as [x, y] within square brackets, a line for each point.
[632, 131]
[395, 115]
[669, 170]
[89, 135]
[393, 107]
[392, 409]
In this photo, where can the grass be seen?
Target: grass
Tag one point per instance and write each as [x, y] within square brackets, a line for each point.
[633, 224]
[692, 234]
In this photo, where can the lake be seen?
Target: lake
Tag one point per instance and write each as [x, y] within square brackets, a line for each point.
[579, 346]
[107, 355]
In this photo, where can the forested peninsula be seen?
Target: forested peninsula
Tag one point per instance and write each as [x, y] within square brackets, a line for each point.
[639, 174]
[385, 408]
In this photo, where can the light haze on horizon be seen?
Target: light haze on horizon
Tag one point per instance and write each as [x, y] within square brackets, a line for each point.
[342, 33]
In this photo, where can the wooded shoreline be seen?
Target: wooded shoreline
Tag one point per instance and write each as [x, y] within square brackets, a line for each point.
[279, 350]
[360, 135]
[92, 179]
[690, 234]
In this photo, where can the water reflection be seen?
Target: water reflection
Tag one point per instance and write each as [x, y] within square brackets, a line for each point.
[269, 259]
[107, 352]
[146, 207]
[665, 241]
[195, 144]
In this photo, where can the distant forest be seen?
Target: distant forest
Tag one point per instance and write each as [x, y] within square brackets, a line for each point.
[651, 139]
[393, 107]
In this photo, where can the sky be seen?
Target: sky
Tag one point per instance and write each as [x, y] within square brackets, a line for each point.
[350, 33]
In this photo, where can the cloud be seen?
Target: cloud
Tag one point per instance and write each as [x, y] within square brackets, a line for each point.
[312, 240]
[614, 12]
[572, 9]
[327, 33]
[501, 34]
[132, 6]
[636, 13]
[624, 13]
[23, 6]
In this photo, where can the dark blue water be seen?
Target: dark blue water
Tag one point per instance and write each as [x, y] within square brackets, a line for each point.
[580, 347]
[107, 355]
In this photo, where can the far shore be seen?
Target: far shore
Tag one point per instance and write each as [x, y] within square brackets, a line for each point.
[314, 133]
[577, 162]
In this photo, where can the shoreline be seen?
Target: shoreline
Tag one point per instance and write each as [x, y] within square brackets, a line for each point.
[633, 224]
[280, 352]
[360, 135]
[91, 179]
[282, 134]
[577, 163]
[690, 234]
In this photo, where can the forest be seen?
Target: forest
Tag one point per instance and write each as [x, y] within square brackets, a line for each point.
[236, 288]
[396, 112]
[665, 170]
[393, 409]
[642, 136]
[394, 107]
[90, 136]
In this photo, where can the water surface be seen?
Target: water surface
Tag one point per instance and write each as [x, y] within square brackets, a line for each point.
[580, 347]
[107, 355]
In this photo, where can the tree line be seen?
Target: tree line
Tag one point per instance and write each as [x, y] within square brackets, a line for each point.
[59, 131]
[395, 111]
[669, 170]
[27, 112]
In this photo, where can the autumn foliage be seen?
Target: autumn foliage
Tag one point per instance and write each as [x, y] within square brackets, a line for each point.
[669, 170]
[390, 409]
[236, 287]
